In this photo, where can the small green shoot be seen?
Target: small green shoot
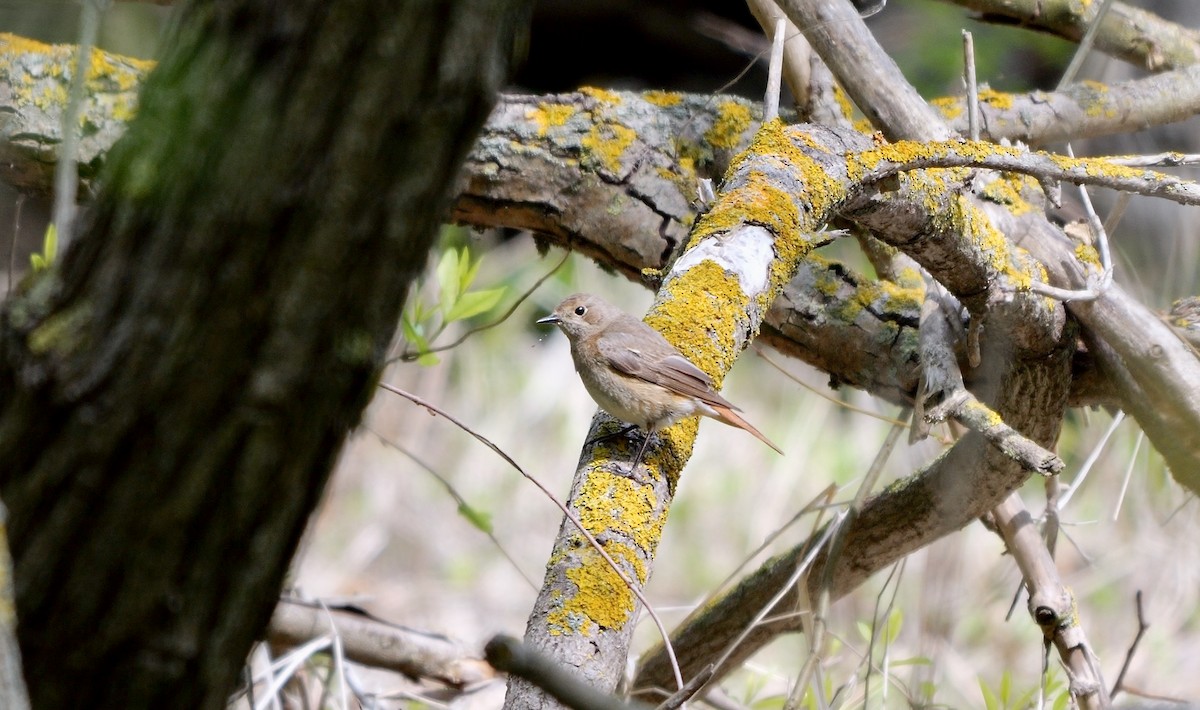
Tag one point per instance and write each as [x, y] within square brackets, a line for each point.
[421, 324]
[44, 260]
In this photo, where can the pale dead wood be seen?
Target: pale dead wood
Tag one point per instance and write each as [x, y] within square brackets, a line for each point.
[377, 643]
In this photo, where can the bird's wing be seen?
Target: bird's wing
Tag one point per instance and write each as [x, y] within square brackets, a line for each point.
[658, 362]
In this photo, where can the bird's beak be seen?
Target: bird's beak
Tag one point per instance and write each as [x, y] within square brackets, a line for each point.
[550, 320]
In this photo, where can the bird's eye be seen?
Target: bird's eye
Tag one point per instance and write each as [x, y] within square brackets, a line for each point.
[580, 310]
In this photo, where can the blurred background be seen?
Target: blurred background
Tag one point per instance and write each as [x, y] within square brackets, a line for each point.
[404, 528]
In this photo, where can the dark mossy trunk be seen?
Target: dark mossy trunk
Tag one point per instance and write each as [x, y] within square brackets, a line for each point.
[173, 396]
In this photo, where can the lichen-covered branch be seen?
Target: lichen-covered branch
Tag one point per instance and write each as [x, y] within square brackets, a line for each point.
[1084, 110]
[34, 81]
[877, 164]
[1129, 33]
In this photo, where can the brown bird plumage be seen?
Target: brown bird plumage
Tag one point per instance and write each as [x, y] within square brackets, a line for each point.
[634, 374]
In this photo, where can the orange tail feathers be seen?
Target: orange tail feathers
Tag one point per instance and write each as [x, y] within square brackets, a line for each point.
[725, 415]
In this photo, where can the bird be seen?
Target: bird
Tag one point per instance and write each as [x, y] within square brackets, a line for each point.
[634, 374]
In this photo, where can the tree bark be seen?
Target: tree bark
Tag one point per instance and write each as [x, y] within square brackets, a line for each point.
[173, 394]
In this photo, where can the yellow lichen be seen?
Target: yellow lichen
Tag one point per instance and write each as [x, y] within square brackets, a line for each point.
[733, 120]
[606, 143]
[704, 296]
[1007, 190]
[950, 107]
[548, 116]
[1088, 255]
[608, 505]
[990, 418]
[843, 101]
[999, 99]
[604, 96]
[665, 99]
[601, 599]
[619, 503]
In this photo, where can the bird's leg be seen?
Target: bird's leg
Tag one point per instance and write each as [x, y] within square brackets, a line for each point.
[638, 459]
[611, 435]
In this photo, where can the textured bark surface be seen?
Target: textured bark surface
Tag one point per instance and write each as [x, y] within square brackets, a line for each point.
[172, 397]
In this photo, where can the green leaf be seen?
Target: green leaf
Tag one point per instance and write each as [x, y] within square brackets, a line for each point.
[412, 333]
[467, 271]
[43, 261]
[1061, 702]
[474, 303]
[480, 519]
[894, 622]
[914, 661]
[447, 276]
[50, 243]
[990, 701]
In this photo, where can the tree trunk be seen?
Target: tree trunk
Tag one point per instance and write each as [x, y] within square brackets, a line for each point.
[174, 393]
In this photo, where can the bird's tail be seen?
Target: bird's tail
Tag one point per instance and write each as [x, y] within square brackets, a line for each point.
[726, 415]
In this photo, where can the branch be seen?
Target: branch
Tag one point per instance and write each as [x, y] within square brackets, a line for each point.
[1129, 33]
[511, 656]
[1084, 110]
[1051, 604]
[374, 642]
[878, 164]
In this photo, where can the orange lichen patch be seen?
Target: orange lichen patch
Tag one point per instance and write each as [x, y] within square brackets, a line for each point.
[974, 226]
[1088, 255]
[604, 96]
[1092, 96]
[40, 75]
[548, 116]
[125, 73]
[606, 143]
[733, 120]
[1007, 190]
[843, 101]
[758, 200]
[602, 599]
[909, 152]
[609, 502]
[700, 318]
[999, 99]
[618, 508]
[950, 107]
[665, 99]
[1098, 167]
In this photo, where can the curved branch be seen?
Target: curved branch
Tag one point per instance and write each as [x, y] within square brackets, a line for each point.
[878, 164]
[1129, 33]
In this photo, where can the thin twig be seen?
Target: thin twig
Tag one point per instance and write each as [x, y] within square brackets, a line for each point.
[896, 570]
[1142, 626]
[66, 179]
[1137, 445]
[972, 86]
[694, 685]
[458, 498]
[775, 73]
[1085, 46]
[1093, 456]
[758, 350]
[662, 629]
[12, 252]
[835, 549]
